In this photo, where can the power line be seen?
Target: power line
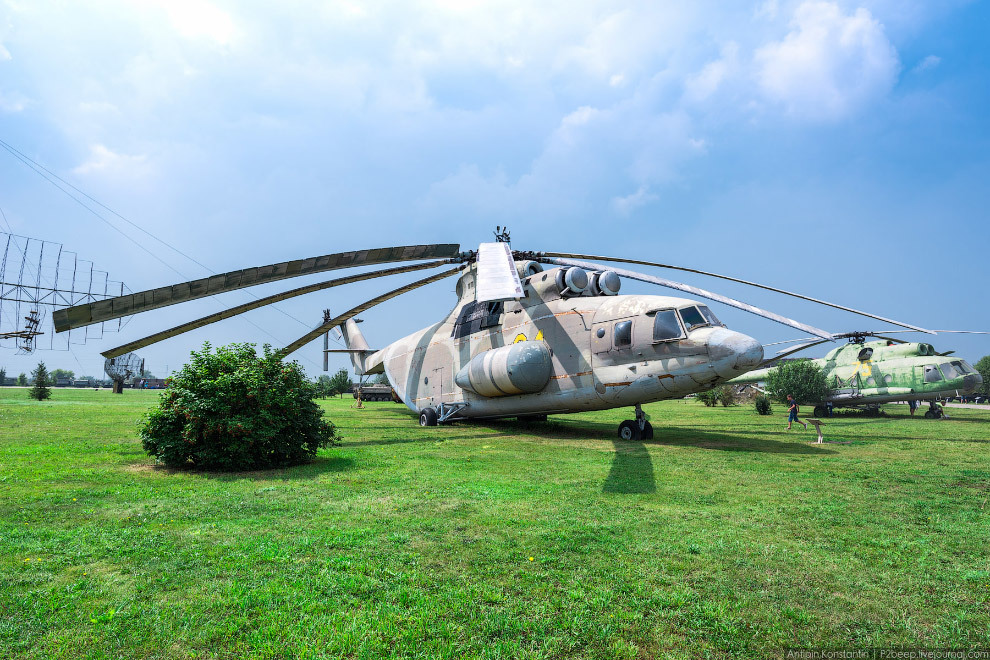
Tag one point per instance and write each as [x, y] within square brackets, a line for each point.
[51, 177]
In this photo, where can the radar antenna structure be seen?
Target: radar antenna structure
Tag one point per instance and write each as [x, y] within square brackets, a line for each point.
[122, 368]
[38, 277]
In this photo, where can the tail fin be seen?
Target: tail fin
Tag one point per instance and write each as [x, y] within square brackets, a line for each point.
[357, 346]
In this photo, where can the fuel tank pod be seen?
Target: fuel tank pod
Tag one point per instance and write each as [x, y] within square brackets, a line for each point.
[521, 368]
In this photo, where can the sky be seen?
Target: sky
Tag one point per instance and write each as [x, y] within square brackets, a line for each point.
[837, 149]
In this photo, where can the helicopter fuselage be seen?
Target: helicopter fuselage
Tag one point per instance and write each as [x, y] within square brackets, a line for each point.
[573, 353]
[876, 372]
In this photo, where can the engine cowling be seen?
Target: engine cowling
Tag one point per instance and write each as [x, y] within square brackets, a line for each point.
[521, 368]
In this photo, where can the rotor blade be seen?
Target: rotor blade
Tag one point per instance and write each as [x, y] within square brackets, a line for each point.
[800, 347]
[788, 341]
[114, 308]
[818, 332]
[966, 332]
[734, 279]
[261, 302]
[340, 320]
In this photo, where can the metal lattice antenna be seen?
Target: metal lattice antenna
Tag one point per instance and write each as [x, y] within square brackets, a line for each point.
[36, 278]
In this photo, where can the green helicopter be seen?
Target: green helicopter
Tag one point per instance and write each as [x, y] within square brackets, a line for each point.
[865, 374]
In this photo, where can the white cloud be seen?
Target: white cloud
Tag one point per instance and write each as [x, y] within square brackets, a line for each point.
[629, 203]
[103, 161]
[196, 19]
[927, 64]
[829, 64]
[4, 54]
[12, 102]
[700, 86]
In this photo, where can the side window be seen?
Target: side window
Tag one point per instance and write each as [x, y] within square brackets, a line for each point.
[932, 374]
[949, 370]
[622, 334]
[665, 326]
[692, 318]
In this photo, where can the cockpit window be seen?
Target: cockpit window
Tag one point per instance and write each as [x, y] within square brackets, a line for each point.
[962, 367]
[692, 318]
[665, 325]
[709, 315]
[932, 374]
[622, 334]
[476, 316]
[949, 370]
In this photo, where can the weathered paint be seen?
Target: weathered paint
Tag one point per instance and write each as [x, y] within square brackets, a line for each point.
[587, 372]
[891, 372]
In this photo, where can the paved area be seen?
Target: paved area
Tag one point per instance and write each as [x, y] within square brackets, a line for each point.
[978, 406]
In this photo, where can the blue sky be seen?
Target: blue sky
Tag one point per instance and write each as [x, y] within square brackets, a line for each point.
[839, 149]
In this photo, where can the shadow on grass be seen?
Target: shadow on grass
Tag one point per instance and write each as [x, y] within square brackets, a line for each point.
[631, 471]
[318, 466]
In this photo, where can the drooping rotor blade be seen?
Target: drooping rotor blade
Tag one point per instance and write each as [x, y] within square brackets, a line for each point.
[732, 279]
[261, 302]
[633, 275]
[113, 308]
[789, 341]
[800, 347]
[340, 320]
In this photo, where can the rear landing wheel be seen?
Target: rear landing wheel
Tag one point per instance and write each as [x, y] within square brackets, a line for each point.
[647, 432]
[821, 411]
[629, 430]
[428, 417]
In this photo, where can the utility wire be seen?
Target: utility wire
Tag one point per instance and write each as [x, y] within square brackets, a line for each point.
[44, 172]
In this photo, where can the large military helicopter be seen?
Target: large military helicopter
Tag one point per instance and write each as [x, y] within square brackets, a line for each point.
[521, 341]
[865, 374]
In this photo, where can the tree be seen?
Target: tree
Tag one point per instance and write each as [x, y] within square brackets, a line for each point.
[3, 376]
[22, 380]
[340, 382]
[380, 379]
[323, 389]
[802, 379]
[983, 366]
[62, 374]
[230, 409]
[40, 390]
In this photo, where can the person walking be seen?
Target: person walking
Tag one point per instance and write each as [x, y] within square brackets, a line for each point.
[792, 412]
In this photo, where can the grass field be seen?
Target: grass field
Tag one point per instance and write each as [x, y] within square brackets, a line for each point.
[727, 536]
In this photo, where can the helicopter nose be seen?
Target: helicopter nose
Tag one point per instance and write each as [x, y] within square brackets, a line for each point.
[972, 382]
[733, 353]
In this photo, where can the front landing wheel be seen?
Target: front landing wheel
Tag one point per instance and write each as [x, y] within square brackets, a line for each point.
[629, 430]
[428, 417]
[647, 432]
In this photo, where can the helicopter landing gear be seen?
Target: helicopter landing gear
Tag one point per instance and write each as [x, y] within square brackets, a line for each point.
[427, 417]
[934, 411]
[821, 411]
[637, 429]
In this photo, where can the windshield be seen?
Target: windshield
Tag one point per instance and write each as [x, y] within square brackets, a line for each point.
[709, 315]
[962, 366]
[949, 369]
[692, 318]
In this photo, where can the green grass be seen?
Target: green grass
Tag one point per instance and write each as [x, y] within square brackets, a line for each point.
[727, 536]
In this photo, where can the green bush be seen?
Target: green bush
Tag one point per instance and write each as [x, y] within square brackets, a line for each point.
[803, 379]
[230, 409]
[762, 403]
[709, 398]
